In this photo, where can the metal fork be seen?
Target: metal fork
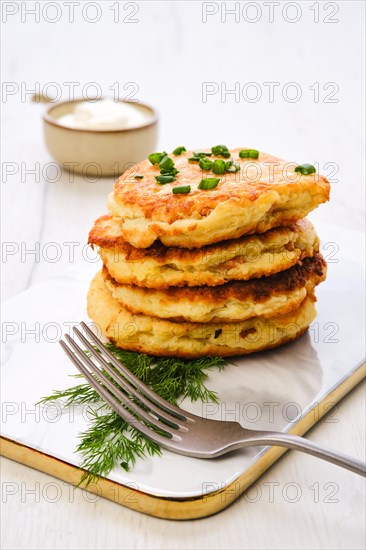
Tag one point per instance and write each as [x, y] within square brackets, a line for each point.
[172, 427]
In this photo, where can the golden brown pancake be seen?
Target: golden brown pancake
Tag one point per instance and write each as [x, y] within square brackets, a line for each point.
[240, 259]
[264, 193]
[234, 301]
[188, 340]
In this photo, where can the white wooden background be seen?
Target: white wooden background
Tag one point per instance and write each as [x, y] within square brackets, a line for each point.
[169, 53]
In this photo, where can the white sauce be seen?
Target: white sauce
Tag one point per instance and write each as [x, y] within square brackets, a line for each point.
[105, 114]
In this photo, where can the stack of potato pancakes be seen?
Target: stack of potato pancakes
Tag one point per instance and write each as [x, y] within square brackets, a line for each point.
[208, 253]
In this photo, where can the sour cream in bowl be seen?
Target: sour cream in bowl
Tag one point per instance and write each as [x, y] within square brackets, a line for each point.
[100, 138]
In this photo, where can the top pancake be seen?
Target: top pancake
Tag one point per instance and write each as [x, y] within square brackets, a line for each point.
[265, 193]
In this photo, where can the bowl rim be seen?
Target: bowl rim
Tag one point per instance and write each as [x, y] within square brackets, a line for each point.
[48, 118]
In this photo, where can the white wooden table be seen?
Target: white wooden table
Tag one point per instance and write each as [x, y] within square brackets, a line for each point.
[184, 58]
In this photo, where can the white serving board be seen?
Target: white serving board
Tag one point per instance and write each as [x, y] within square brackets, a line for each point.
[270, 390]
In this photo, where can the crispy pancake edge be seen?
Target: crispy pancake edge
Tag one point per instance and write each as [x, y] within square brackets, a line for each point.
[242, 203]
[231, 302]
[240, 259]
[189, 340]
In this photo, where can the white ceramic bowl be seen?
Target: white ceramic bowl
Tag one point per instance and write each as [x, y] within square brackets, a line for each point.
[96, 153]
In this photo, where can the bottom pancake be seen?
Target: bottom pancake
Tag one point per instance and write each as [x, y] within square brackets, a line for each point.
[189, 340]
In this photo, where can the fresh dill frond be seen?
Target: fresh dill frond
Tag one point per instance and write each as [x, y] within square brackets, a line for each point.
[76, 395]
[110, 441]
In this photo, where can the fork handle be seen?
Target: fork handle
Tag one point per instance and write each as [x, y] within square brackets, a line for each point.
[289, 441]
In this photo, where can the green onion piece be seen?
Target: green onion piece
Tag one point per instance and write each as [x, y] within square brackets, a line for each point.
[205, 163]
[166, 163]
[248, 154]
[194, 159]
[235, 167]
[221, 151]
[179, 150]
[184, 189]
[305, 169]
[208, 183]
[219, 167]
[171, 172]
[138, 176]
[155, 158]
[201, 154]
[165, 179]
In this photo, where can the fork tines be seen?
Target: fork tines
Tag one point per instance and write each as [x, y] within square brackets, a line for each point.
[135, 402]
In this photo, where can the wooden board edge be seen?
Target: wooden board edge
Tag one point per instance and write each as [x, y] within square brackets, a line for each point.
[166, 507]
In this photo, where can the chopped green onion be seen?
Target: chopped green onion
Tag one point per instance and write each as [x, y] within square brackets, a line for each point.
[305, 169]
[171, 172]
[208, 183]
[235, 167]
[201, 154]
[179, 150]
[205, 163]
[166, 164]
[219, 167]
[165, 179]
[194, 159]
[218, 149]
[221, 151]
[184, 189]
[138, 176]
[155, 158]
[248, 154]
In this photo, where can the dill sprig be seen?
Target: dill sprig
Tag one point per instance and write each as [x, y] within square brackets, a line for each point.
[110, 441]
